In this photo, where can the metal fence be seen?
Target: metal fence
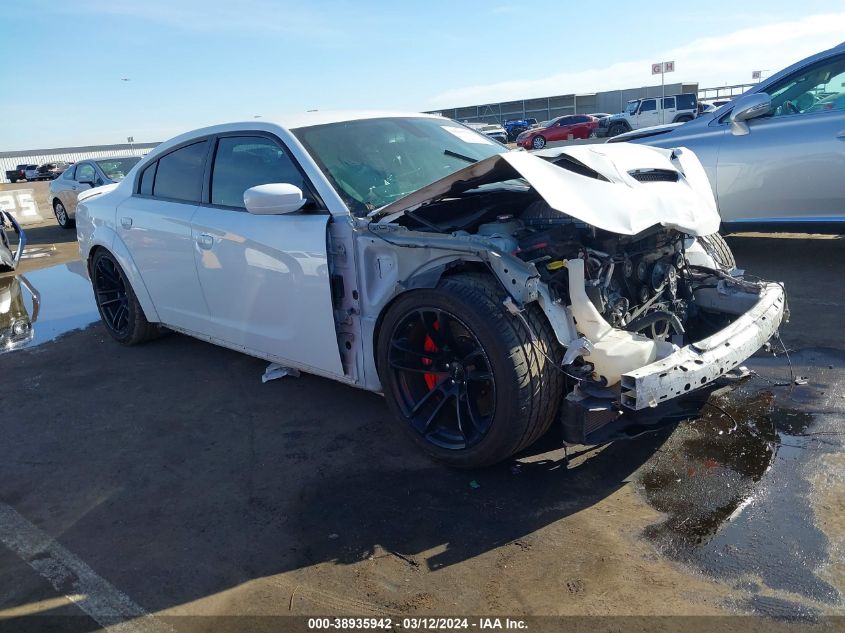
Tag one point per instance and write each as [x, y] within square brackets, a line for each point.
[10, 160]
[546, 108]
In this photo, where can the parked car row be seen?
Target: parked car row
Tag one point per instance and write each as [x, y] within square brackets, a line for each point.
[46, 171]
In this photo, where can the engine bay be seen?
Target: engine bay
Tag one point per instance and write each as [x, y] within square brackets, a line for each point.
[644, 283]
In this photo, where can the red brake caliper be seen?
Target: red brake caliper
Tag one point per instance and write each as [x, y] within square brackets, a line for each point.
[429, 346]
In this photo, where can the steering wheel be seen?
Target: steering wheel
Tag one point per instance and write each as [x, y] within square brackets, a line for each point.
[790, 108]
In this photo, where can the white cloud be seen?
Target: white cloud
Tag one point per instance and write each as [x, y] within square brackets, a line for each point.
[711, 61]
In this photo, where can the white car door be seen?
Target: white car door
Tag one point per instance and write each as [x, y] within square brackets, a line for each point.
[649, 114]
[155, 225]
[265, 277]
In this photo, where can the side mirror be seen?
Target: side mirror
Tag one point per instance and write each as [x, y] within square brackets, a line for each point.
[749, 107]
[273, 199]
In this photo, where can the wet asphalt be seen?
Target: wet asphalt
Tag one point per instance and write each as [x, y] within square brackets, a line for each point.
[181, 479]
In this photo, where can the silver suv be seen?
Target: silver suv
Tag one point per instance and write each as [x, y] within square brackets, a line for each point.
[776, 155]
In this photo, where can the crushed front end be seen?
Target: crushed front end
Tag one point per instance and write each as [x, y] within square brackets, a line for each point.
[618, 246]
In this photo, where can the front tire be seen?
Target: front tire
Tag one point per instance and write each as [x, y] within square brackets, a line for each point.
[716, 246]
[539, 142]
[62, 216]
[616, 129]
[116, 301]
[468, 381]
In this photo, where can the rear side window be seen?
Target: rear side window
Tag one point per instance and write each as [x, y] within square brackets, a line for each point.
[69, 172]
[242, 162]
[179, 173]
[668, 103]
[147, 178]
[686, 102]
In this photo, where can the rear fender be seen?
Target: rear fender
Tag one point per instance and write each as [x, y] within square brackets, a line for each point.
[105, 237]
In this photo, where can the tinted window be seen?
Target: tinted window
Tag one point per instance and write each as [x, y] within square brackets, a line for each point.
[242, 162]
[579, 119]
[668, 103]
[649, 105]
[179, 173]
[69, 172]
[147, 178]
[686, 102]
[85, 173]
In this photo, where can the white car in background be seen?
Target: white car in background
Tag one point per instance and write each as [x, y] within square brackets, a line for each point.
[483, 292]
[82, 176]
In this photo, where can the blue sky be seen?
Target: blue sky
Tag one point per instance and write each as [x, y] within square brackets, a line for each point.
[193, 62]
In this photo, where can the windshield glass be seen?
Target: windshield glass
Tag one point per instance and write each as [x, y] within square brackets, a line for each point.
[116, 168]
[632, 107]
[373, 162]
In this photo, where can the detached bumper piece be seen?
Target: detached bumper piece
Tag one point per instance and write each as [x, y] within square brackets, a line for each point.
[674, 387]
[9, 259]
[703, 362]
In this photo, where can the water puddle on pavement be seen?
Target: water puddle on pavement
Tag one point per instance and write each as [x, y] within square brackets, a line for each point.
[41, 305]
[735, 486]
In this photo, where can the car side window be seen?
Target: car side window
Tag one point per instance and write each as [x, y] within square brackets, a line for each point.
[147, 178]
[85, 173]
[648, 105]
[241, 162]
[179, 173]
[819, 88]
[69, 172]
[668, 103]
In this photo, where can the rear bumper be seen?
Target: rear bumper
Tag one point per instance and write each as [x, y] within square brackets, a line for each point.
[703, 362]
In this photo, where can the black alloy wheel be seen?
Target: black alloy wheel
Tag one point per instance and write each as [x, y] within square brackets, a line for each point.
[111, 295]
[447, 392]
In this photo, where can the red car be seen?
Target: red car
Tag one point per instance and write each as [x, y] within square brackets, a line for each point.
[559, 129]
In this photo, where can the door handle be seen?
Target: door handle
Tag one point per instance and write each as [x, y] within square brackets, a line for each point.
[126, 223]
[205, 241]
[74, 188]
[841, 135]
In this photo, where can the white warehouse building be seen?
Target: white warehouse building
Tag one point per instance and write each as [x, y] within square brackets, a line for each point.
[10, 160]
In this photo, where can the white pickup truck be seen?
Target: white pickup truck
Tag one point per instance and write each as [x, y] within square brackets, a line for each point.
[640, 113]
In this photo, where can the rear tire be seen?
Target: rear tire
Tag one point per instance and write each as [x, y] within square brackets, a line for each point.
[716, 246]
[62, 216]
[511, 390]
[116, 301]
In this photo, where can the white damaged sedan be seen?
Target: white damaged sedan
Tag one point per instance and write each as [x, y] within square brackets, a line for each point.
[485, 293]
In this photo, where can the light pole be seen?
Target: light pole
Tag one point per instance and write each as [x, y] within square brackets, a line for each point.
[662, 68]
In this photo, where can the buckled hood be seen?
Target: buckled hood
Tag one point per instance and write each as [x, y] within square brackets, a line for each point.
[621, 188]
